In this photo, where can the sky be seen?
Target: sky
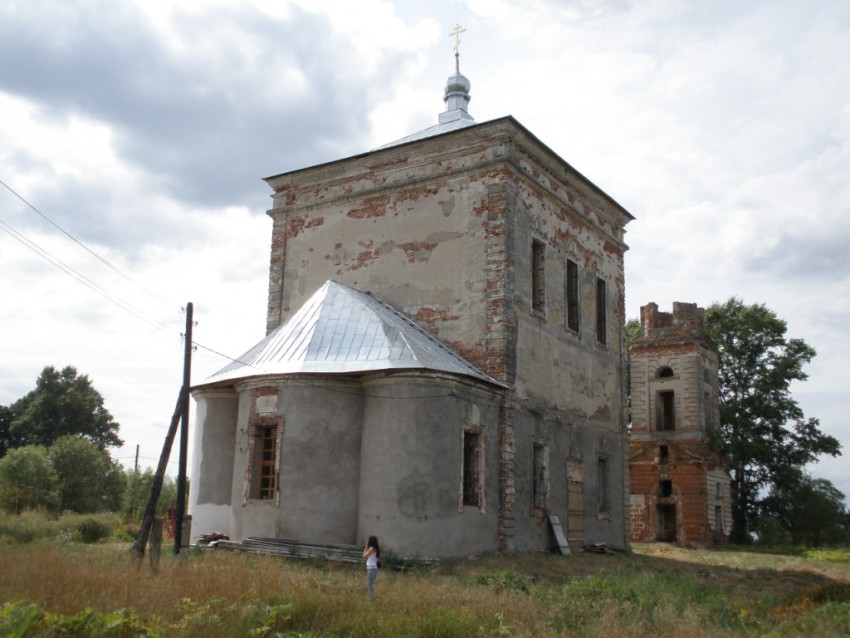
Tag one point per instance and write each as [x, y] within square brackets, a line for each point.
[134, 137]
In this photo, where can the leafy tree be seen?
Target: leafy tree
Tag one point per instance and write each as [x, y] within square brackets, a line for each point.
[62, 403]
[811, 511]
[27, 480]
[138, 492]
[763, 431]
[8, 440]
[88, 479]
[632, 334]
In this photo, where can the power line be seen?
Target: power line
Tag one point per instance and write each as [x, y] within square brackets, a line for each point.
[68, 270]
[103, 260]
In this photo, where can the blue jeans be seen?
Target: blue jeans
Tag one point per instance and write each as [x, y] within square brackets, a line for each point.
[371, 573]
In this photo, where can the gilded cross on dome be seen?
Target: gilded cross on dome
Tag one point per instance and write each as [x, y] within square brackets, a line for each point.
[456, 33]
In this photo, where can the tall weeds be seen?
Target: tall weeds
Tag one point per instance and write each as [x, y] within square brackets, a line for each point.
[95, 587]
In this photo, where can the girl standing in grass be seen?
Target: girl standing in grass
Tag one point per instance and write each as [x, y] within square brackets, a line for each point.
[372, 554]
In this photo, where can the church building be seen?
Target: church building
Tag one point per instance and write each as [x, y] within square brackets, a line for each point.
[444, 361]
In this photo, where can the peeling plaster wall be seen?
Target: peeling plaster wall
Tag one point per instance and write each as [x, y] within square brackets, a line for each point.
[410, 480]
[442, 230]
[671, 355]
[212, 461]
[318, 461]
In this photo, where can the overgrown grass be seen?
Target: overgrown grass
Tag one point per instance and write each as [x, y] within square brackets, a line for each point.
[31, 526]
[73, 589]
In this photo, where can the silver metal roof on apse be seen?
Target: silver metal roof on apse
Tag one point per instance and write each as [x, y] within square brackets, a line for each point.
[343, 330]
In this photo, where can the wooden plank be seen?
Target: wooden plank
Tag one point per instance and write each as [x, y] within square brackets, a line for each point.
[559, 535]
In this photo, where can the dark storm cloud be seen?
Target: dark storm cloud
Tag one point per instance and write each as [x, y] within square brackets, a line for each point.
[205, 131]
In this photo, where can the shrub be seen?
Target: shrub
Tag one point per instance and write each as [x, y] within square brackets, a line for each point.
[28, 526]
[92, 530]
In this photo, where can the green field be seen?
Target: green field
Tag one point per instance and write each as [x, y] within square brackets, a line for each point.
[62, 587]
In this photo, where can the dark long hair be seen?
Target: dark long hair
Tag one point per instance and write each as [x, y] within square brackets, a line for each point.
[373, 542]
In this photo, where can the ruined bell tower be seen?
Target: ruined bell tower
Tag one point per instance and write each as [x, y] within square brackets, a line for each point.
[679, 487]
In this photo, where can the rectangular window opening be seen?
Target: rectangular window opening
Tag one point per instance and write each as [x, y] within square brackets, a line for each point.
[472, 474]
[603, 496]
[538, 276]
[539, 480]
[601, 311]
[663, 455]
[572, 296]
[266, 462]
[665, 489]
[665, 416]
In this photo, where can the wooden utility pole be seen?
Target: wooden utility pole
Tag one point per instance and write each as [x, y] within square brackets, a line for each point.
[181, 415]
[138, 549]
[184, 434]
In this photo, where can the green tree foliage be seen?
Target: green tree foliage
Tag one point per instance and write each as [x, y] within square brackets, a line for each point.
[763, 431]
[811, 511]
[88, 479]
[62, 403]
[27, 480]
[138, 491]
[632, 334]
[8, 440]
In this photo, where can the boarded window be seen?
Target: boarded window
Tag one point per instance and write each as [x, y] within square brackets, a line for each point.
[265, 463]
[603, 487]
[472, 470]
[539, 479]
[575, 503]
[538, 276]
[572, 296]
[601, 311]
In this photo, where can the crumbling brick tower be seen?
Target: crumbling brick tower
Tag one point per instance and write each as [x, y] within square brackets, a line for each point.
[679, 487]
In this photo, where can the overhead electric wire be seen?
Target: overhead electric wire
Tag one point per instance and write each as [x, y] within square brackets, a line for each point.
[68, 270]
[103, 260]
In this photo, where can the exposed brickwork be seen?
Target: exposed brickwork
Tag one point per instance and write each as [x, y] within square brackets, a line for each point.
[372, 207]
[672, 470]
[442, 230]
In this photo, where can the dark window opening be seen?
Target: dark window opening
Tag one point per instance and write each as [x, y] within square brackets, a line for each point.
[603, 497]
[663, 455]
[665, 489]
[665, 529]
[472, 469]
[601, 312]
[538, 276]
[665, 372]
[665, 418]
[538, 479]
[572, 296]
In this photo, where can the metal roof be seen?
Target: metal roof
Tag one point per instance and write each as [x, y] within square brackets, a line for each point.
[431, 131]
[340, 330]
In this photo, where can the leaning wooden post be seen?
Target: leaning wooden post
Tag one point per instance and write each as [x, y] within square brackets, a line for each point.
[138, 549]
[156, 542]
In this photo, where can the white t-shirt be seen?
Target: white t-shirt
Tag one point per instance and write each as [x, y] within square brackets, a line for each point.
[372, 560]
